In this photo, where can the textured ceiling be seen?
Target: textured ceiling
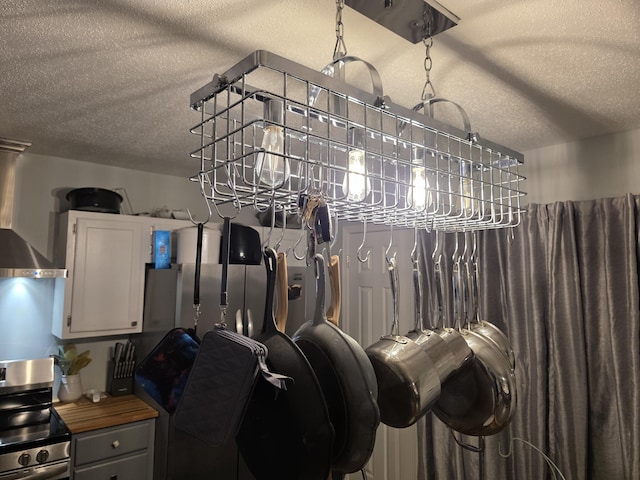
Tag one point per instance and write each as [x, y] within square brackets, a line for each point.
[108, 81]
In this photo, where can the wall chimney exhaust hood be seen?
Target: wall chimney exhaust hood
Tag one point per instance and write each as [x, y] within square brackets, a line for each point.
[17, 257]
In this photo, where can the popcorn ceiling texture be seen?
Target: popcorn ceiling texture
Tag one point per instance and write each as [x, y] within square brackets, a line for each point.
[109, 81]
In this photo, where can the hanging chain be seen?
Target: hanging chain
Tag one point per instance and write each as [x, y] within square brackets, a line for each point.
[340, 50]
[428, 92]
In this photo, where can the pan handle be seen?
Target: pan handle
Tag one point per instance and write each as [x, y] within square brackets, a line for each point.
[271, 264]
[417, 286]
[393, 274]
[319, 315]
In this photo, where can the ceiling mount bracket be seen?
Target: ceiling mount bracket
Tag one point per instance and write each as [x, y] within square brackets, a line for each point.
[406, 17]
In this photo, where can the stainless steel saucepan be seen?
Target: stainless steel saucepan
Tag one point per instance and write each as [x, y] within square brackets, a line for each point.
[481, 397]
[483, 327]
[408, 381]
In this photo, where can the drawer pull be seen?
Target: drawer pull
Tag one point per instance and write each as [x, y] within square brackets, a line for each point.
[115, 444]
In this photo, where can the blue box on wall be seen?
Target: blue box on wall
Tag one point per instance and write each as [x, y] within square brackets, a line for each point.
[162, 249]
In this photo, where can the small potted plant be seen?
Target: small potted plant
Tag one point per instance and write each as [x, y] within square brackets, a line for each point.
[70, 364]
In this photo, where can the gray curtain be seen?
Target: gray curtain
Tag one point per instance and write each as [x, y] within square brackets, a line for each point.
[564, 288]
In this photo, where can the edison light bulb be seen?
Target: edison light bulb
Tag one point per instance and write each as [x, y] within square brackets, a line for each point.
[419, 192]
[419, 196]
[466, 190]
[356, 185]
[271, 165]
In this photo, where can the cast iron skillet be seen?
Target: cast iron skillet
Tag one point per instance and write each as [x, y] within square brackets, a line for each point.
[289, 435]
[347, 380]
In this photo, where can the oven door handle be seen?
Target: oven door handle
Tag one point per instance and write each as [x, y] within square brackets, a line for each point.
[54, 471]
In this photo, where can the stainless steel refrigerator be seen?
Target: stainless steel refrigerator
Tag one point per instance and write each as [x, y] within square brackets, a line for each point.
[169, 303]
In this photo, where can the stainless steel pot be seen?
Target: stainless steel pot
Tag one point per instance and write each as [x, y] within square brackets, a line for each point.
[461, 351]
[481, 397]
[408, 381]
[482, 327]
[432, 343]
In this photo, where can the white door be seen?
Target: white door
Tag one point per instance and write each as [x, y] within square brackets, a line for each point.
[367, 315]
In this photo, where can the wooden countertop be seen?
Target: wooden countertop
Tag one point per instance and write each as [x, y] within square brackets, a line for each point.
[83, 415]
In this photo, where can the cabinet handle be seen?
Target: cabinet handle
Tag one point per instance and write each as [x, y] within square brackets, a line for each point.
[115, 444]
[113, 477]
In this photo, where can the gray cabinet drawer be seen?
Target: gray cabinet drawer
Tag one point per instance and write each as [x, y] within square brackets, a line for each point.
[110, 443]
[128, 468]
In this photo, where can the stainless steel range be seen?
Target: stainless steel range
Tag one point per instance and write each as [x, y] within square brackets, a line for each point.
[34, 441]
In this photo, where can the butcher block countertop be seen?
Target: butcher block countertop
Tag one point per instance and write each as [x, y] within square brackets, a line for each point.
[83, 415]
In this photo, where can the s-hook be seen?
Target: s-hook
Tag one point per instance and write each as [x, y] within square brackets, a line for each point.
[388, 249]
[201, 180]
[295, 245]
[362, 259]
[415, 254]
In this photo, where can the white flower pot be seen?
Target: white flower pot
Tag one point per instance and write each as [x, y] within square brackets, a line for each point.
[70, 388]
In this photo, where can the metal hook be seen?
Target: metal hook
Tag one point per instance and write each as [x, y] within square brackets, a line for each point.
[295, 245]
[436, 249]
[388, 249]
[201, 181]
[415, 255]
[455, 251]
[276, 247]
[273, 222]
[362, 259]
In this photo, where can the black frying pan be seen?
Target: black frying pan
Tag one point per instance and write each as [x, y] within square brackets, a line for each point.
[289, 435]
[348, 382]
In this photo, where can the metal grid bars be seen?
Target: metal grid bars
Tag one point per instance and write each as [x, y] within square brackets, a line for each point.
[272, 130]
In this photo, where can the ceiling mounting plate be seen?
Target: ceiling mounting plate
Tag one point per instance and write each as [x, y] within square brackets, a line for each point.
[406, 17]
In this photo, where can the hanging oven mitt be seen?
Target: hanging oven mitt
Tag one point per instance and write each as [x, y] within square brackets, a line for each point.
[221, 384]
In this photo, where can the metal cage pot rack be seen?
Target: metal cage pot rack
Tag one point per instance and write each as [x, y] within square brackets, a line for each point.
[272, 130]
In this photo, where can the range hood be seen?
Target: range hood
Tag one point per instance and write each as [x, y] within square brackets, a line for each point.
[17, 257]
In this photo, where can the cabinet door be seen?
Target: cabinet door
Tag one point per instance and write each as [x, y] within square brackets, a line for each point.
[107, 278]
[127, 468]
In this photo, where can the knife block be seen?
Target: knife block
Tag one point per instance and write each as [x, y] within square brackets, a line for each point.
[117, 383]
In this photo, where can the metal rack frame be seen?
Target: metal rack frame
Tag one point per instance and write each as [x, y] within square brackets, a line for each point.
[468, 183]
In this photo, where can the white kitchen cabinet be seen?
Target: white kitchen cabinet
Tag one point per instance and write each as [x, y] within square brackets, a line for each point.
[103, 294]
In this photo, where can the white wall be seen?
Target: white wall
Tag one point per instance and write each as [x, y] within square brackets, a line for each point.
[599, 167]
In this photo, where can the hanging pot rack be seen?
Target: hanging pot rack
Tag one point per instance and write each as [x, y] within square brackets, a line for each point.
[418, 172]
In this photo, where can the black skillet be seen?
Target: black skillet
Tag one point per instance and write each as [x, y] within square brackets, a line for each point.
[287, 436]
[348, 382]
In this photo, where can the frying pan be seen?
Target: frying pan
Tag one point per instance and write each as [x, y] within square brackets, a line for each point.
[432, 343]
[408, 381]
[348, 382]
[289, 435]
[480, 398]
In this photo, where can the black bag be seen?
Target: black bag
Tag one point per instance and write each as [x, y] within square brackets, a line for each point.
[164, 372]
